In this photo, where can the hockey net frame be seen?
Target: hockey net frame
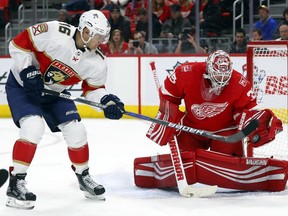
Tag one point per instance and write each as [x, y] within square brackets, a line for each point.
[267, 63]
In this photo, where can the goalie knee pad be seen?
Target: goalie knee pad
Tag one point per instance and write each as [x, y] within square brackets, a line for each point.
[74, 133]
[32, 128]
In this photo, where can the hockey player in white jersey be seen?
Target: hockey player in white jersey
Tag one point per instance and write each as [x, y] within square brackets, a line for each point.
[55, 55]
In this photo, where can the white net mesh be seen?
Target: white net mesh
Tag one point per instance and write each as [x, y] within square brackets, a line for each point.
[270, 86]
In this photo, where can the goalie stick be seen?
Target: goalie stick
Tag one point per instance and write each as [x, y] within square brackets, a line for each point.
[180, 176]
[3, 176]
[230, 139]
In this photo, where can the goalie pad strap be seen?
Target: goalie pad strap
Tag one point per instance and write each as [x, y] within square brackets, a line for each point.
[212, 168]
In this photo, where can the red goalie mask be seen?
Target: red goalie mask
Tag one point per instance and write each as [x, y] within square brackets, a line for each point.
[219, 70]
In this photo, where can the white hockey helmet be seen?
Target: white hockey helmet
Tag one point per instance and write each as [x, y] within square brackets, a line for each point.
[219, 70]
[97, 23]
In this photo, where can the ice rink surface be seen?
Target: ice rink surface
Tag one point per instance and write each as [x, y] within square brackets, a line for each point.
[113, 147]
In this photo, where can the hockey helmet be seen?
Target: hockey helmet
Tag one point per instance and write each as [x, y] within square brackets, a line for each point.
[97, 24]
[219, 69]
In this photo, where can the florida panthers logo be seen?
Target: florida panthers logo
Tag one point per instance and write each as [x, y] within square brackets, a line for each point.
[207, 109]
[58, 72]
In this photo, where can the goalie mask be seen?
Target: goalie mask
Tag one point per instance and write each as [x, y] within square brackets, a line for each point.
[97, 24]
[219, 70]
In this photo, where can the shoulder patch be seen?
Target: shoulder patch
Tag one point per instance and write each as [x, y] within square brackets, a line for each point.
[186, 68]
[39, 28]
[243, 81]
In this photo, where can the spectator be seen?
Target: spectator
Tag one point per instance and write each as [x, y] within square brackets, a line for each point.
[117, 21]
[187, 7]
[210, 14]
[173, 27]
[142, 24]
[240, 43]
[266, 24]
[140, 46]
[283, 30]
[284, 20]
[63, 16]
[161, 10]
[116, 45]
[108, 5]
[132, 9]
[187, 43]
[256, 35]
[77, 5]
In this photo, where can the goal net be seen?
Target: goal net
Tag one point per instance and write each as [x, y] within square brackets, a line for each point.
[267, 71]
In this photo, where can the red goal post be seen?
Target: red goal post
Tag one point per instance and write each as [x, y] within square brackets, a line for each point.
[267, 68]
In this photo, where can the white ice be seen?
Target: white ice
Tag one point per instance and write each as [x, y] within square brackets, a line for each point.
[113, 147]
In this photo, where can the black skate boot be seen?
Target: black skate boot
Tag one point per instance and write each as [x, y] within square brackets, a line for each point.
[18, 194]
[91, 189]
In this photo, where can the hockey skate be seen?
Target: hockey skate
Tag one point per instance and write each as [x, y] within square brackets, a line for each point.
[91, 189]
[18, 194]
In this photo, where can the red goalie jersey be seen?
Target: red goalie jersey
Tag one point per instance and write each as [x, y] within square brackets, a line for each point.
[214, 111]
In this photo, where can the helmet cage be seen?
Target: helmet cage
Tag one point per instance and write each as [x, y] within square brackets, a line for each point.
[97, 24]
[219, 69]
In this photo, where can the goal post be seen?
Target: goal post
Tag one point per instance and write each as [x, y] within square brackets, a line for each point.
[267, 68]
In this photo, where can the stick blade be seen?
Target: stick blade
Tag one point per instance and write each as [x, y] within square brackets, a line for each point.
[206, 191]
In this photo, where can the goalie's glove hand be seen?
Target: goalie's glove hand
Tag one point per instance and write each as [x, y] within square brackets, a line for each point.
[269, 126]
[115, 107]
[32, 83]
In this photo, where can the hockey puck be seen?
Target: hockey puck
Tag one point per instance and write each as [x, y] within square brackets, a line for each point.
[256, 138]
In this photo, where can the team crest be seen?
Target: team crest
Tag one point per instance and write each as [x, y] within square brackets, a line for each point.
[58, 72]
[207, 109]
[39, 29]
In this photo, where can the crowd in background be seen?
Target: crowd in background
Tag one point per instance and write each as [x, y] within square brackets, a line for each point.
[174, 21]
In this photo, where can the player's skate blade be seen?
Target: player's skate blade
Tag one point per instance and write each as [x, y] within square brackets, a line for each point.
[20, 204]
[94, 197]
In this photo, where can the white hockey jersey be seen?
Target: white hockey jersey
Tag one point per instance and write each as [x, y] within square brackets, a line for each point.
[51, 47]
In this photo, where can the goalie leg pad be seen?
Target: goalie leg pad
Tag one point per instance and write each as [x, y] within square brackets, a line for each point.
[241, 173]
[157, 171]
[212, 168]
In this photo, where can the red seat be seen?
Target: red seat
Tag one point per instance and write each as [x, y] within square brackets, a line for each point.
[106, 13]
[4, 6]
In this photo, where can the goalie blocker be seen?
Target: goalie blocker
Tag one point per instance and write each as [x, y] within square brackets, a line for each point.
[212, 168]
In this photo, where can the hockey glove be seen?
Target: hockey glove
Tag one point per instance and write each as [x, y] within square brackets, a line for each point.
[115, 107]
[32, 83]
[168, 112]
[269, 126]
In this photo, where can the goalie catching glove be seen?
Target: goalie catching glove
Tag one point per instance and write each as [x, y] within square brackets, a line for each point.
[170, 112]
[115, 107]
[269, 126]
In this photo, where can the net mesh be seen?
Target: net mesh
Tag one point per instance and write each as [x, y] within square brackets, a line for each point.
[270, 86]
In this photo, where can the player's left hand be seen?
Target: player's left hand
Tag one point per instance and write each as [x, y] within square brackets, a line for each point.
[115, 107]
[32, 83]
[269, 126]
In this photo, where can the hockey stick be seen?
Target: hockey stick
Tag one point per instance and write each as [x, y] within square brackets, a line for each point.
[230, 139]
[183, 187]
[3, 177]
[181, 180]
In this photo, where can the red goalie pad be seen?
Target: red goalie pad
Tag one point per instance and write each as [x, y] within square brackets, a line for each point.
[212, 168]
[168, 111]
[269, 126]
[158, 172]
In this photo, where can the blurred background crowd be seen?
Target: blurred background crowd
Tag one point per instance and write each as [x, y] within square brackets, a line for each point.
[159, 26]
